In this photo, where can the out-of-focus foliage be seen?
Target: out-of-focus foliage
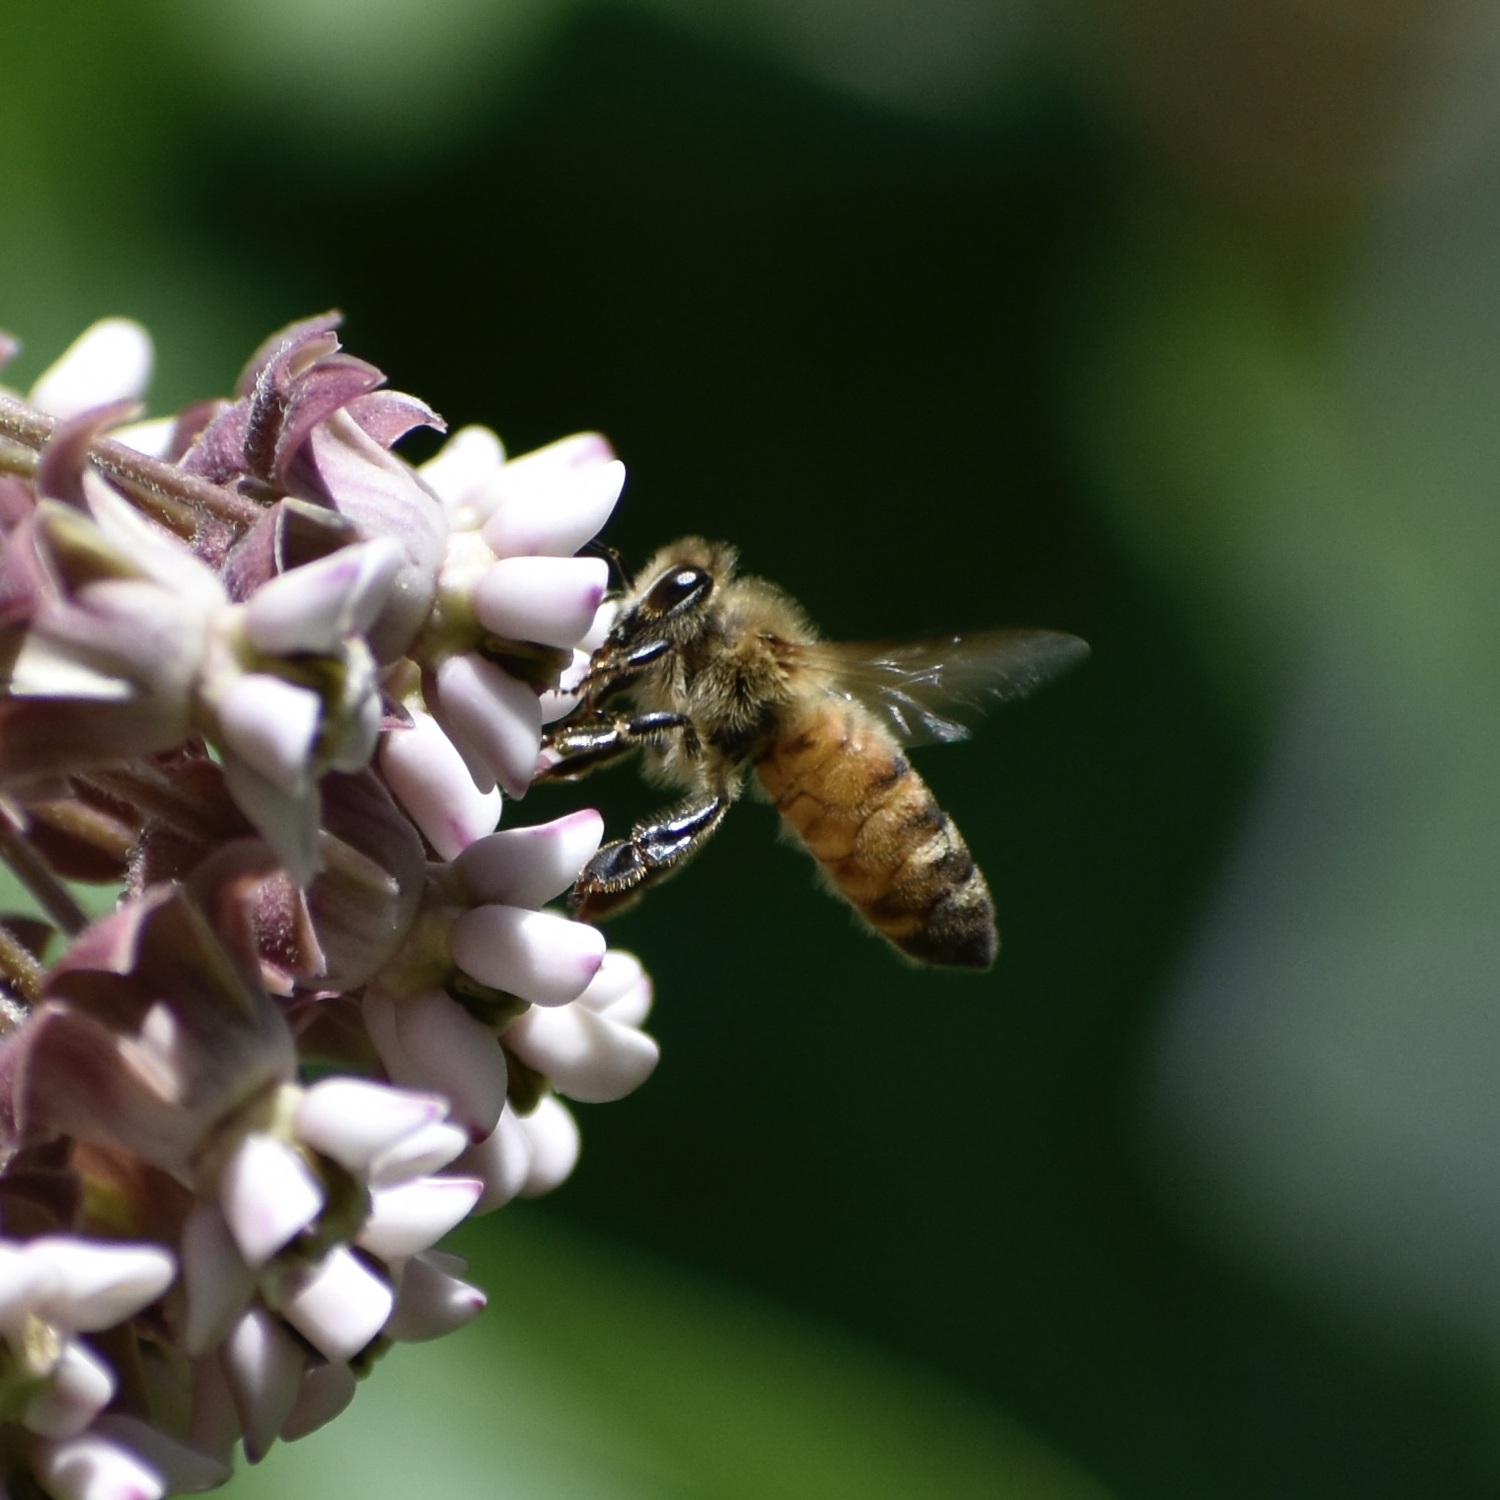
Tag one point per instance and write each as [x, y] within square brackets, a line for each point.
[616, 1378]
[1173, 326]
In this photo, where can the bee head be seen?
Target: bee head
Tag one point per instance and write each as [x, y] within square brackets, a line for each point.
[670, 602]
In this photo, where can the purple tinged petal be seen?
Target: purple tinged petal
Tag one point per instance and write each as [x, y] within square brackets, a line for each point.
[542, 957]
[285, 343]
[530, 865]
[387, 416]
[548, 599]
[363, 902]
[10, 346]
[64, 459]
[586, 1056]
[272, 726]
[353, 1120]
[432, 1303]
[185, 1469]
[268, 1195]
[214, 1426]
[263, 1364]
[215, 1277]
[550, 502]
[459, 473]
[407, 1219]
[494, 716]
[92, 1286]
[341, 467]
[456, 1055]
[326, 1390]
[339, 1307]
[502, 1161]
[110, 361]
[429, 777]
[92, 1467]
[79, 1388]
[421, 1153]
[553, 1133]
[312, 608]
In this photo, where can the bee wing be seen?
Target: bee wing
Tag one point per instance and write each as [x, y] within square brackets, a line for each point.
[915, 687]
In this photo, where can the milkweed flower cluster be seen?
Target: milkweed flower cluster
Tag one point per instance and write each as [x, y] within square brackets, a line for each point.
[275, 684]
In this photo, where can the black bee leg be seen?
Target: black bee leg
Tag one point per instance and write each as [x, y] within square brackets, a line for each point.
[577, 747]
[620, 871]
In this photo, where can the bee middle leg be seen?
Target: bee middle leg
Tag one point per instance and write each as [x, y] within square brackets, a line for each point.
[622, 870]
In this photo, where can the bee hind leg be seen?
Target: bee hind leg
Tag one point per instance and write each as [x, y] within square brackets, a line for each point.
[621, 871]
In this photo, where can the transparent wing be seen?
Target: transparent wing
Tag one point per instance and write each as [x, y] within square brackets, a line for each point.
[922, 689]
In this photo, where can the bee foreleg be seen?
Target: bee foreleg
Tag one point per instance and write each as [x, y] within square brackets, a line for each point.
[574, 749]
[620, 871]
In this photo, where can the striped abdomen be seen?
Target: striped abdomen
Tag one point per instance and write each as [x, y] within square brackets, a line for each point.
[849, 794]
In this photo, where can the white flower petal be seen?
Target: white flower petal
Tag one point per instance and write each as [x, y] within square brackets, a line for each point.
[407, 1219]
[528, 866]
[339, 1307]
[153, 437]
[621, 989]
[431, 1303]
[431, 780]
[553, 1133]
[109, 361]
[354, 1120]
[586, 1056]
[456, 1055]
[502, 1162]
[92, 1467]
[263, 1364]
[79, 1388]
[459, 473]
[548, 599]
[550, 502]
[272, 726]
[326, 1390]
[268, 1195]
[313, 607]
[419, 1155]
[538, 955]
[97, 1286]
[494, 717]
[186, 1470]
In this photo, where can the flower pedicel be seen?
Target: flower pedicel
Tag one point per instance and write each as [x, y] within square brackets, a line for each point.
[277, 684]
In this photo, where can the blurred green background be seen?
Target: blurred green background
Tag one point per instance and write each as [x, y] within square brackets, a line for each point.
[1177, 327]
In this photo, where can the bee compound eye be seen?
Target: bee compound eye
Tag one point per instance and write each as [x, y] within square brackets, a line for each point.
[677, 590]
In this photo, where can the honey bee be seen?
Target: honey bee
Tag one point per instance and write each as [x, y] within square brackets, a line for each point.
[723, 673]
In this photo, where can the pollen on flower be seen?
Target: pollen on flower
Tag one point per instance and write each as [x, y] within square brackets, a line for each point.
[277, 686]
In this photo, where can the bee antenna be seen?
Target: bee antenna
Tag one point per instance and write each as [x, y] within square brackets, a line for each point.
[612, 556]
